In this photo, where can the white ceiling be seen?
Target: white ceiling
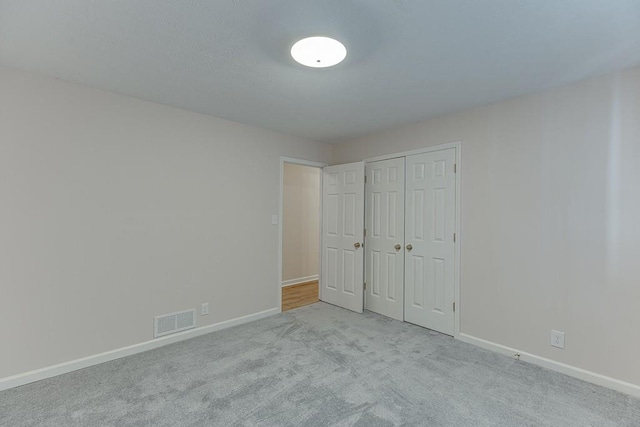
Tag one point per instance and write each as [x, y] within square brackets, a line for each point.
[407, 60]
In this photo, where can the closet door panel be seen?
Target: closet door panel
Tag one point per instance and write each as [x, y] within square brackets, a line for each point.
[384, 242]
[429, 240]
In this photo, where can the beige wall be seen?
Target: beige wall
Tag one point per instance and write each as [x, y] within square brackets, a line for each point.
[114, 210]
[550, 219]
[301, 222]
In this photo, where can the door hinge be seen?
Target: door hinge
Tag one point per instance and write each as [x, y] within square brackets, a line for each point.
[365, 232]
[364, 284]
[365, 179]
[454, 237]
[454, 307]
[455, 168]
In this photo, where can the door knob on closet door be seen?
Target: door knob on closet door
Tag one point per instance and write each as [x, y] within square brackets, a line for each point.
[398, 247]
[356, 245]
[409, 247]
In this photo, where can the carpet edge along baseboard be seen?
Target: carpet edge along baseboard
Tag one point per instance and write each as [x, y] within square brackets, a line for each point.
[84, 362]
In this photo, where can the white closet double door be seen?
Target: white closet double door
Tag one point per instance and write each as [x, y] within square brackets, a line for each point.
[410, 247]
[407, 258]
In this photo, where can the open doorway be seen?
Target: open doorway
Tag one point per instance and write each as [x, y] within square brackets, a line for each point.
[300, 255]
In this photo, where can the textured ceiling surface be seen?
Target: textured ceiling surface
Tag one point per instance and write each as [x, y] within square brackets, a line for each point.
[407, 60]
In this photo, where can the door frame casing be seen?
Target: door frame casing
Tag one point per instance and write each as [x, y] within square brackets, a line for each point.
[302, 162]
[457, 226]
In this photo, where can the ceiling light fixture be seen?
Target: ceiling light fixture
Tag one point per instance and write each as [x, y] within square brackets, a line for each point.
[318, 52]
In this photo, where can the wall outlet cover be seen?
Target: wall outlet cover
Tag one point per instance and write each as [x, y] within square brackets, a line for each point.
[204, 309]
[557, 339]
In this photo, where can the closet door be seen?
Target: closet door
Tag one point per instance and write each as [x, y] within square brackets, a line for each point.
[429, 240]
[342, 277]
[384, 242]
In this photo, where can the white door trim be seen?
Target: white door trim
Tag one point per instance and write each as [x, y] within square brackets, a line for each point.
[458, 146]
[439, 147]
[284, 160]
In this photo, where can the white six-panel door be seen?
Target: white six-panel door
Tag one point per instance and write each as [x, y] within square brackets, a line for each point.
[384, 260]
[342, 274]
[429, 240]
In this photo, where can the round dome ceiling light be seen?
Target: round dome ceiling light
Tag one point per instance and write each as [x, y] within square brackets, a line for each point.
[318, 52]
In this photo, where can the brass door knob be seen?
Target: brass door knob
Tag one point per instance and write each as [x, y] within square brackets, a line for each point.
[356, 245]
[409, 247]
[398, 247]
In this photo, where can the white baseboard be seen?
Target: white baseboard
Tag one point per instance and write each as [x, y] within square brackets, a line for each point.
[299, 280]
[74, 365]
[572, 371]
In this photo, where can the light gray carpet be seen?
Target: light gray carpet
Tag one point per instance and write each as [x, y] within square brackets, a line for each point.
[317, 366]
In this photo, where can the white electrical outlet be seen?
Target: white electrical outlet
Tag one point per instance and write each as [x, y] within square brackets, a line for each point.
[204, 309]
[274, 219]
[557, 339]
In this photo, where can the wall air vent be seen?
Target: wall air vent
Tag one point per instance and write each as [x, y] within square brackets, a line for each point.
[174, 322]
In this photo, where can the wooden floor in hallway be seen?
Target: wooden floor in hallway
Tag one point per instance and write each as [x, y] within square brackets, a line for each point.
[299, 295]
